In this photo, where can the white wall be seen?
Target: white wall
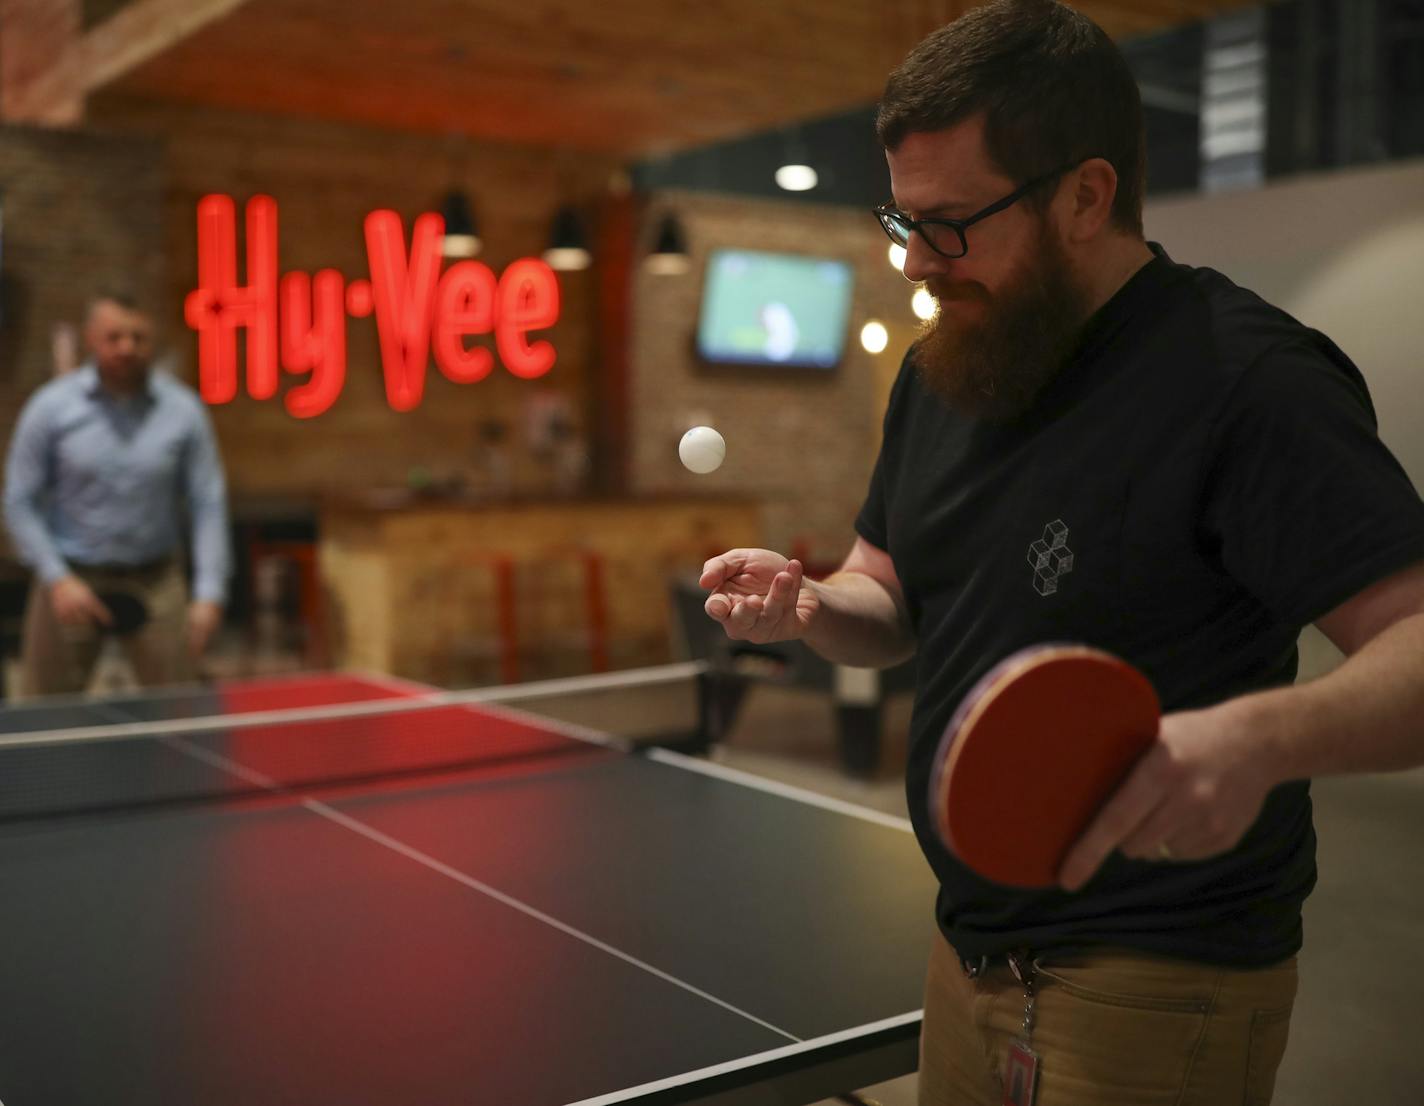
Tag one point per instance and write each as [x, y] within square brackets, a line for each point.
[1344, 253]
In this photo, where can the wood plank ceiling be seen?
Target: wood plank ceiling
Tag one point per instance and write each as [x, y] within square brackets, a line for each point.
[623, 77]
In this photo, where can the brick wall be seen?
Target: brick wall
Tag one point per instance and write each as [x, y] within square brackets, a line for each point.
[803, 441]
[81, 210]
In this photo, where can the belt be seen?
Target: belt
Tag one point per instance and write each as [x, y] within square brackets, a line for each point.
[142, 567]
[1018, 961]
[974, 968]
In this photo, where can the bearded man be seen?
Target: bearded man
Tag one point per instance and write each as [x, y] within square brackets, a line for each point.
[1214, 468]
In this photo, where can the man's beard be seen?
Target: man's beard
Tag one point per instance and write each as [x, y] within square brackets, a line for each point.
[994, 368]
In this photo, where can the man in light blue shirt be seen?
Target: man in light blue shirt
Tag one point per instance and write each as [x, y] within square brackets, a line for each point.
[101, 467]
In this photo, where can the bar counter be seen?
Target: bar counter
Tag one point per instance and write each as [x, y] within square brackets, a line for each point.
[461, 591]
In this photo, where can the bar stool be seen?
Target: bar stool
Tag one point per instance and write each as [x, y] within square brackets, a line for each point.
[501, 568]
[301, 558]
[563, 603]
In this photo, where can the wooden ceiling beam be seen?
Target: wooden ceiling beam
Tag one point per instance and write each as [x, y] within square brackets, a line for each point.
[52, 88]
[34, 35]
[626, 77]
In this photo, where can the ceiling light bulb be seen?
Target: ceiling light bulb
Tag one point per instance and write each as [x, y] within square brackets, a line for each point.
[460, 245]
[874, 337]
[568, 260]
[796, 178]
[666, 264]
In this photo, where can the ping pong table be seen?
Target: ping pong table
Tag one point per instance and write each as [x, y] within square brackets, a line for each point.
[349, 889]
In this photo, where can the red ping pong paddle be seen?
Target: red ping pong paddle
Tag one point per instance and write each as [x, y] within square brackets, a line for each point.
[1035, 748]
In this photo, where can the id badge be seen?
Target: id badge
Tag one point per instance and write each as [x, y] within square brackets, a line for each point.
[1020, 1075]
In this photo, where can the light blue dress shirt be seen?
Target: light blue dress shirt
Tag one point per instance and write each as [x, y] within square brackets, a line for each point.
[98, 478]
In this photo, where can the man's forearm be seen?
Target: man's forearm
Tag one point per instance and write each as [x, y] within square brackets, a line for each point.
[210, 553]
[859, 622]
[32, 540]
[26, 478]
[1366, 716]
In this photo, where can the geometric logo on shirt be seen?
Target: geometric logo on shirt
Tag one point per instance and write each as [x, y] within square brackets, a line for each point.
[1050, 558]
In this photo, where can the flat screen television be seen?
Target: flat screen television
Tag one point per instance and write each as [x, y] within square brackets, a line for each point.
[774, 309]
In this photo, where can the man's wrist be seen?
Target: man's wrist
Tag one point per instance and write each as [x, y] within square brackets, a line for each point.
[1268, 724]
[822, 590]
[55, 574]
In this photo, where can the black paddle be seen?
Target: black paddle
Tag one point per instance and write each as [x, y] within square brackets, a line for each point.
[129, 611]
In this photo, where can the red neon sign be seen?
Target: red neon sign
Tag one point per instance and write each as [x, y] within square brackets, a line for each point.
[298, 323]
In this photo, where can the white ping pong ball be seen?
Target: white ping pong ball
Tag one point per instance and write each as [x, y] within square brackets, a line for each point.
[702, 449]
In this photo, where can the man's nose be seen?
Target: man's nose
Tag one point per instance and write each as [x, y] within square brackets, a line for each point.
[921, 262]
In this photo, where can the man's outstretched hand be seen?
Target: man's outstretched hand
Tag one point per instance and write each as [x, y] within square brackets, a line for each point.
[759, 596]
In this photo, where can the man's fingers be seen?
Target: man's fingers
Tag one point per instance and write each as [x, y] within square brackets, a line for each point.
[737, 616]
[722, 568]
[1129, 808]
[744, 614]
[714, 573]
[1146, 841]
[783, 590]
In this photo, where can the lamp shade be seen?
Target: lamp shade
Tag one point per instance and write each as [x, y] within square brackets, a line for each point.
[669, 254]
[568, 243]
[462, 238]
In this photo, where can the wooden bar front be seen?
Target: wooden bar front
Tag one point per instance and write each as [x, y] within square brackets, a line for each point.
[462, 594]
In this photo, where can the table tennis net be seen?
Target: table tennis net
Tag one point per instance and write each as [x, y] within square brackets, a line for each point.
[92, 769]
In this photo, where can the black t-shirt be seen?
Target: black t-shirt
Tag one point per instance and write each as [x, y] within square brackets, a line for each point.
[1202, 480]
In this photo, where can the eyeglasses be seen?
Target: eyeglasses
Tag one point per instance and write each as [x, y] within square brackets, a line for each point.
[946, 236]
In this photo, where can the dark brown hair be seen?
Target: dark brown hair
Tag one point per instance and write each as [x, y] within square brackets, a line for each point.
[118, 294]
[1052, 87]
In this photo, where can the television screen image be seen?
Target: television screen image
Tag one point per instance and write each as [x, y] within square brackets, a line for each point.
[774, 309]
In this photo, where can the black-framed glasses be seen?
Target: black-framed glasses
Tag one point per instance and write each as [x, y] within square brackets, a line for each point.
[946, 236]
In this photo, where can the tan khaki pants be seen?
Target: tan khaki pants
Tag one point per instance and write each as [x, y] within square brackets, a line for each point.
[58, 659]
[1114, 1028]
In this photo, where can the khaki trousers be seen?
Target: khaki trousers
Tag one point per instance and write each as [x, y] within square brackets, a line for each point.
[57, 659]
[1113, 1028]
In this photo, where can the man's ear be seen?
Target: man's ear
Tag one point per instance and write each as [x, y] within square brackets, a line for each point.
[1092, 188]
